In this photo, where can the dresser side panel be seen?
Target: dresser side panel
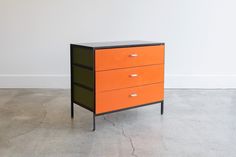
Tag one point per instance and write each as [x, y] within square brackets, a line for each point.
[82, 56]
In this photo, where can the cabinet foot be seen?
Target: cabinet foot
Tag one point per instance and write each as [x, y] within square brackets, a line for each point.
[72, 110]
[162, 107]
[94, 121]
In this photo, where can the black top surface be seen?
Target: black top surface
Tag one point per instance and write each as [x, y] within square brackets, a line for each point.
[101, 45]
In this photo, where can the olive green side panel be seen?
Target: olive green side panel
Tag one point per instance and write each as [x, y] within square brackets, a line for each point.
[82, 56]
[83, 76]
[84, 97]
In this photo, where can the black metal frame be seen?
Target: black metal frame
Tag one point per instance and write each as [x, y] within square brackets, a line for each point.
[71, 84]
[119, 46]
[95, 115]
[94, 89]
[94, 96]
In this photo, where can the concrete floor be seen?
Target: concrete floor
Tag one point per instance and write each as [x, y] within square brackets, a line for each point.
[196, 123]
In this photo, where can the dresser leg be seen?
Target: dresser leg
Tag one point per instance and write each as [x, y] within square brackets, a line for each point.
[162, 107]
[94, 121]
[72, 110]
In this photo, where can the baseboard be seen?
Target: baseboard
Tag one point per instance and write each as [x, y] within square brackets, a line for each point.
[200, 81]
[171, 81]
[35, 81]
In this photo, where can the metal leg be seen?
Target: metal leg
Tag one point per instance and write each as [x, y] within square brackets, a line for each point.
[162, 107]
[94, 121]
[71, 85]
[72, 110]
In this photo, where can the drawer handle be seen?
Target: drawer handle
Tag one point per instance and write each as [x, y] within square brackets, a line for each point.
[133, 75]
[133, 55]
[133, 94]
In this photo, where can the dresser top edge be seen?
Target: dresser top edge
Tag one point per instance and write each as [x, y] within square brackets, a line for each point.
[117, 44]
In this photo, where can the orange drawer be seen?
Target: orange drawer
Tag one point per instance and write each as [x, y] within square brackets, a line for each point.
[129, 97]
[129, 77]
[128, 57]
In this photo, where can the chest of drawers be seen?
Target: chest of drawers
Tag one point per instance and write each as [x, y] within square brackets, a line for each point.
[114, 76]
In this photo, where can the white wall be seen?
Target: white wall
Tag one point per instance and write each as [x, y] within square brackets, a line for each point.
[199, 36]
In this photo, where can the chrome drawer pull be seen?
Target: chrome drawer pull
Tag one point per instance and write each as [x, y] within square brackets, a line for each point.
[133, 95]
[133, 55]
[134, 75]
